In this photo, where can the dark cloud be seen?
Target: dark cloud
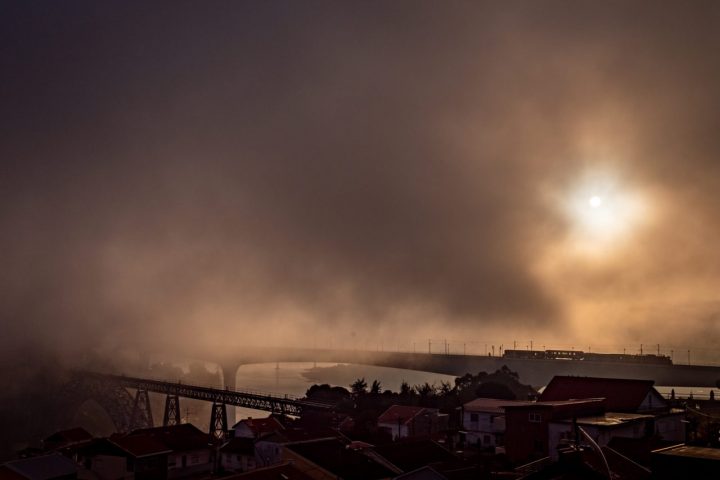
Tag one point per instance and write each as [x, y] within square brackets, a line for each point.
[175, 168]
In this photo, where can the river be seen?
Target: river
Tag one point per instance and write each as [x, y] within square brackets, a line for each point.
[296, 378]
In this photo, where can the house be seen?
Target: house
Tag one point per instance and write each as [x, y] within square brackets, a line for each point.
[402, 421]
[527, 425]
[412, 454]
[141, 457]
[67, 438]
[189, 447]
[684, 461]
[43, 467]
[256, 427]
[483, 421]
[622, 396]
[238, 455]
[269, 449]
[331, 459]
[152, 453]
[601, 428]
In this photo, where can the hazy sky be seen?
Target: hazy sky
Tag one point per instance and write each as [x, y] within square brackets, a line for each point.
[301, 171]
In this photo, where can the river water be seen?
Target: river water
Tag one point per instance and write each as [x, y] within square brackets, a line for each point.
[296, 378]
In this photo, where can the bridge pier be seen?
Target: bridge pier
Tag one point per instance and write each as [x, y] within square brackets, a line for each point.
[218, 420]
[172, 411]
[229, 374]
[142, 413]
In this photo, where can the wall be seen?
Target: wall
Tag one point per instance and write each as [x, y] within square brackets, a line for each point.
[490, 425]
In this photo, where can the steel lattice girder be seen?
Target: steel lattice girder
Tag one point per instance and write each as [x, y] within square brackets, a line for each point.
[267, 402]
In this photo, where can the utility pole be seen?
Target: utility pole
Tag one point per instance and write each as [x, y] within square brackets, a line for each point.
[641, 349]
[531, 344]
[688, 356]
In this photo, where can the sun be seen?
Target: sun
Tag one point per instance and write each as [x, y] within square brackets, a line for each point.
[595, 201]
[602, 211]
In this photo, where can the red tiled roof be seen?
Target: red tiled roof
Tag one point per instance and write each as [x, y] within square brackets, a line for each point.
[261, 426]
[72, 435]
[140, 445]
[298, 435]
[621, 395]
[178, 438]
[400, 414]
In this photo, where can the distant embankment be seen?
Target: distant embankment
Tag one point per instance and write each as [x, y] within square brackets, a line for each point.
[536, 372]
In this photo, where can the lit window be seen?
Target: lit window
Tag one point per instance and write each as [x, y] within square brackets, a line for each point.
[534, 417]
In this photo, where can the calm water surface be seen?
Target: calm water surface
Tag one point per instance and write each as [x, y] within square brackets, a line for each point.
[296, 378]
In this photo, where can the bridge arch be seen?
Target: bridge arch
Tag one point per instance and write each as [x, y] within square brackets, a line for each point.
[116, 401]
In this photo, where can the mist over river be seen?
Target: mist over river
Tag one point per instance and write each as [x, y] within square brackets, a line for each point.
[296, 378]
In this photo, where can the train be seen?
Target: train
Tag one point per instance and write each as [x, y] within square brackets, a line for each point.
[579, 355]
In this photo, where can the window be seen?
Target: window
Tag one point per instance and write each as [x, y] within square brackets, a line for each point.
[486, 439]
[473, 417]
[534, 417]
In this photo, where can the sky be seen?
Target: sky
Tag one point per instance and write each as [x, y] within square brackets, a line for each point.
[355, 173]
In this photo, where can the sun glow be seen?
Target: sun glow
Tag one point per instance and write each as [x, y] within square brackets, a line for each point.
[602, 212]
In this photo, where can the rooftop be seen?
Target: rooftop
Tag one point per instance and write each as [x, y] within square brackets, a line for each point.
[412, 454]
[140, 445]
[65, 437]
[402, 414]
[610, 419]
[690, 451]
[333, 456]
[277, 472]
[44, 467]
[178, 438]
[492, 405]
[621, 395]
[260, 426]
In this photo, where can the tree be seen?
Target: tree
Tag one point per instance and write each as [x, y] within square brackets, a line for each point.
[405, 389]
[376, 387]
[359, 386]
[425, 390]
[445, 389]
[495, 390]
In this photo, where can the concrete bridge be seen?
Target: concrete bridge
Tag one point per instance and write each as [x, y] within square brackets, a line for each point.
[536, 372]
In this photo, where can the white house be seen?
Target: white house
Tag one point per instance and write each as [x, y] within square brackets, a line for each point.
[484, 421]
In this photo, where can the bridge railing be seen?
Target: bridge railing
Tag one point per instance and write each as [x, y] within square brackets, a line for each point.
[245, 391]
[209, 391]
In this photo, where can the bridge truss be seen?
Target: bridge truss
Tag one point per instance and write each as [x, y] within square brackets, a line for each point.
[281, 404]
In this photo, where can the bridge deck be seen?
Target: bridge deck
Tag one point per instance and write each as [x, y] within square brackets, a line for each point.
[287, 404]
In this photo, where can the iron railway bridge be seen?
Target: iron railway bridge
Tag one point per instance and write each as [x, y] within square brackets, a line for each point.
[140, 415]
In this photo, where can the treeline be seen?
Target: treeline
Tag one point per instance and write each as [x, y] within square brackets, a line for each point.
[503, 384]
